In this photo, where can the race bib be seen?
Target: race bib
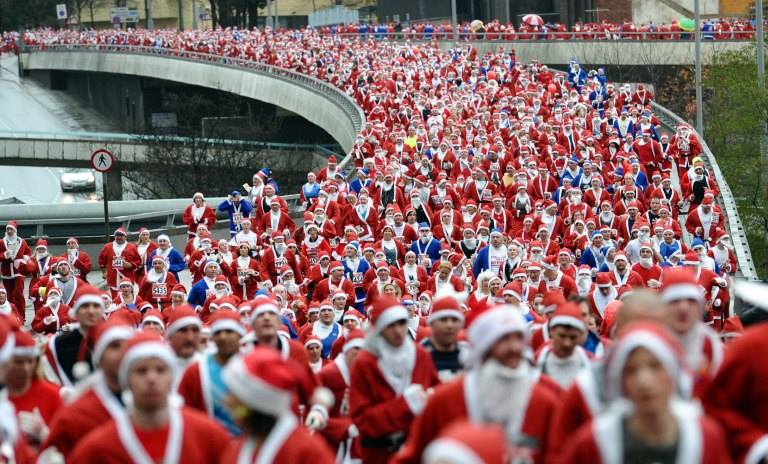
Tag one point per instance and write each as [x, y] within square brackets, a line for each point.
[424, 260]
[437, 200]
[242, 272]
[486, 195]
[447, 165]
[334, 242]
[118, 263]
[357, 278]
[75, 271]
[280, 262]
[237, 218]
[159, 290]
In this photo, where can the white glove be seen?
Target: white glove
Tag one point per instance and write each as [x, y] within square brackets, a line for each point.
[416, 398]
[317, 419]
[49, 320]
[50, 456]
[717, 301]
[352, 431]
[33, 425]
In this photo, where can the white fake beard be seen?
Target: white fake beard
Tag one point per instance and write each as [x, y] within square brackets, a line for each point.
[502, 390]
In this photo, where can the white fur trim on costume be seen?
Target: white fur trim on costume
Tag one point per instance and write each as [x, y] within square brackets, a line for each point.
[450, 450]
[82, 300]
[568, 321]
[390, 315]
[758, 451]
[260, 309]
[491, 326]
[255, 393]
[681, 292]
[227, 324]
[445, 313]
[6, 351]
[154, 319]
[144, 351]
[119, 332]
[352, 344]
[182, 322]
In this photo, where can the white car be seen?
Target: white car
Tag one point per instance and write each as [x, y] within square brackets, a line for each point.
[78, 179]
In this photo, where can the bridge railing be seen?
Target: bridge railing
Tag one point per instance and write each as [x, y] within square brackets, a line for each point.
[328, 91]
[726, 201]
[553, 36]
[140, 139]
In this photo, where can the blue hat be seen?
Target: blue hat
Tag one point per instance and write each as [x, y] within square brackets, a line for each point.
[354, 244]
[697, 242]
[574, 158]
[235, 192]
[365, 171]
[595, 233]
[423, 225]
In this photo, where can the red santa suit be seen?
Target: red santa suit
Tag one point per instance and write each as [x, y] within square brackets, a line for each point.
[156, 288]
[731, 396]
[60, 318]
[74, 421]
[287, 442]
[189, 437]
[458, 400]
[708, 223]
[700, 439]
[377, 401]
[79, 260]
[13, 264]
[113, 258]
[194, 216]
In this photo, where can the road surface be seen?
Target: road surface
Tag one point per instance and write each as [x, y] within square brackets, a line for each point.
[26, 105]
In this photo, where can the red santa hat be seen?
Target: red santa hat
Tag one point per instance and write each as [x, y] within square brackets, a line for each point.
[125, 281]
[549, 263]
[145, 345]
[180, 289]
[85, 294]
[120, 231]
[620, 256]
[226, 320]
[654, 338]
[153, 315]
[181, 317]
[485, 328]
[385, 311]
[41, 243]
[262, 305]
[220, 279]
[113, 329]
[313, 308]
[444, 307]
[352, 314]
[24, 345]
[514, 289]
[228, 302]
[568, 315]
[467, 443]
[552, 299]
[262, 380]
[332, 160]
[680, 283]
[335, 265]
[12, 225]
[584, 269]
[603, 279]
[355, 339]
[313, 340]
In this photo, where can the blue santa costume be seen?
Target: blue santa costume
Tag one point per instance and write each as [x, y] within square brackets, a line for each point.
[355, 272]
[427, 253]
[201, 289]
[237, 211]
[484, 257]
[592, 259]
[172, 257]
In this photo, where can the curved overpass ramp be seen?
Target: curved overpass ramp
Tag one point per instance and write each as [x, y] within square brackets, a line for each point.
[317, 101]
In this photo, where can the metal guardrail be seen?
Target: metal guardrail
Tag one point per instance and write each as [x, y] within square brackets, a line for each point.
[727, 202]
[550, 36]
[328, 91]
[116, 137]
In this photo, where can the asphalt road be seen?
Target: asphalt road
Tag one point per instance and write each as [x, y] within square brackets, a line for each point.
[27, 106]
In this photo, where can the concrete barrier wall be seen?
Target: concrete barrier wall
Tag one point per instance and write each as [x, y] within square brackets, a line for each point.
[294, 97]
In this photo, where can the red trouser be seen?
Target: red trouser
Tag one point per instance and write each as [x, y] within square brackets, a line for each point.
[15, 289]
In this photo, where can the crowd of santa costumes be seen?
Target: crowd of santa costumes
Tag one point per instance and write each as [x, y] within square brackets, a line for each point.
[499, 274]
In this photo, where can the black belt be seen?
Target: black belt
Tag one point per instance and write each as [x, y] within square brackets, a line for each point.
[390, 444]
